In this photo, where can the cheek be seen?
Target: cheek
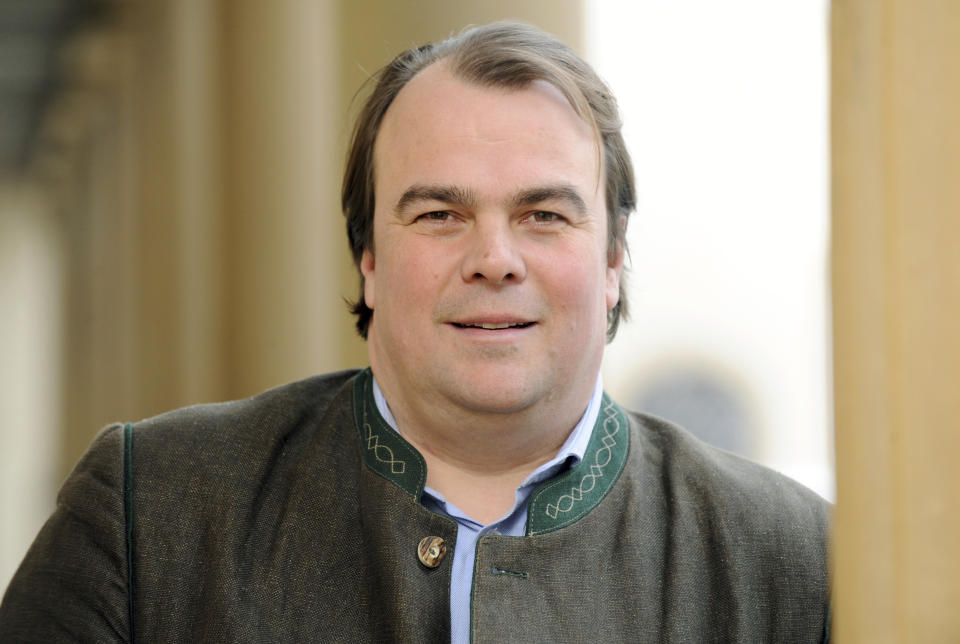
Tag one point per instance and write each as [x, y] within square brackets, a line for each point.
[578, 288]
[414, 277]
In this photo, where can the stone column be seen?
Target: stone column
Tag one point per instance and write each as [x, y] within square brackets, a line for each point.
[896, 294]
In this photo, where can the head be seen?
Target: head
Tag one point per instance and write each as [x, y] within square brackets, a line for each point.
[508, 56]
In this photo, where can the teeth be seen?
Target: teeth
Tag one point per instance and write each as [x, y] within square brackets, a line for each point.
[489, 326]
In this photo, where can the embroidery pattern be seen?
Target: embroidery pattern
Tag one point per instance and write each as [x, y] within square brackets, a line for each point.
[383, 453]
[601, 458]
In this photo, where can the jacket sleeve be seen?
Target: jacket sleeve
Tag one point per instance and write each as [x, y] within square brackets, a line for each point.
[72, 586]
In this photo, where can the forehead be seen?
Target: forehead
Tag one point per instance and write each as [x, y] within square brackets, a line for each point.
[442, 128]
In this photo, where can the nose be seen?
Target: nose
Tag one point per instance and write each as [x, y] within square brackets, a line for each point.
[492, 254]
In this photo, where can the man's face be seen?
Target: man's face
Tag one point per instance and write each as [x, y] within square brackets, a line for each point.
[490, 281]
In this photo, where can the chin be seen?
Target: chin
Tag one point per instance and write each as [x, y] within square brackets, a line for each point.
[503, 396]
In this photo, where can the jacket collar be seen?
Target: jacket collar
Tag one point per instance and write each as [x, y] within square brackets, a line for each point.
[554, 504]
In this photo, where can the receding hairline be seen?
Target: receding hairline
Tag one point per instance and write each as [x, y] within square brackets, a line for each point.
[445, 63]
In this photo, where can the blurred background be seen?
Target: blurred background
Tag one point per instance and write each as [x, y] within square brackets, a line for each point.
[170, 230]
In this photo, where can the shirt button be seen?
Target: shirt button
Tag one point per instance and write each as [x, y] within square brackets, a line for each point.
[431, 551]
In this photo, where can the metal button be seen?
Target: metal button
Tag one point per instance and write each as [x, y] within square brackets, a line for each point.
[431, 551]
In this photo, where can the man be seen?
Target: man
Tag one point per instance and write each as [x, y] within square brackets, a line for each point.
[475, 484]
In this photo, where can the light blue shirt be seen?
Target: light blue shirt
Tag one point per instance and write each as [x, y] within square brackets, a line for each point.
[513, 523]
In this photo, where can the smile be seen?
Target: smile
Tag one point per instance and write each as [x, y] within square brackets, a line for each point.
[492, 326]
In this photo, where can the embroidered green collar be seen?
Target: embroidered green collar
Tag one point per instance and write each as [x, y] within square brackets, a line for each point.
[556, 503]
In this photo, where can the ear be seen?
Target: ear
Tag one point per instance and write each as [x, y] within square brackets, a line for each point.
[614, 270]
[367, 265]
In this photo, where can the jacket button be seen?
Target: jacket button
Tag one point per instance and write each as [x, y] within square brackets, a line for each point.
[431, 551]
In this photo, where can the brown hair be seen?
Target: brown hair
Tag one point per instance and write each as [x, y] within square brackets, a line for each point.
[502, 54]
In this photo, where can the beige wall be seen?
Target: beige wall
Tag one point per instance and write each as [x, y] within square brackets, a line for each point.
[31, 298]
[283, 230]
[896, 280]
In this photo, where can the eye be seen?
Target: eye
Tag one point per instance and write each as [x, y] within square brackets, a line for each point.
[545, 217]
[438, 222]
[438, 216]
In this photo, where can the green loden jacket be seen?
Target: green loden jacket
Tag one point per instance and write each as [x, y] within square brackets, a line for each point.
[293, 516]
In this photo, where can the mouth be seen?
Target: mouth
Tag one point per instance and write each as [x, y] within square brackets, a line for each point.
[492, 326]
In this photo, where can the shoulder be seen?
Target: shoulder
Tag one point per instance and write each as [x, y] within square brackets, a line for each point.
[267, 416]
[280, 405]
[734, 538]
[239, 445]
[706, 470]
[732, 498]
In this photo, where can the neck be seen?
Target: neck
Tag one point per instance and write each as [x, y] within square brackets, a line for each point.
[478, 459]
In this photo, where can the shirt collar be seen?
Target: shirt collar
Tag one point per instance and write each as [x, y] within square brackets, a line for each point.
[570, 453]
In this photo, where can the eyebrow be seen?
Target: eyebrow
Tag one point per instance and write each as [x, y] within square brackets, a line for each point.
[460, 196]
[455, 195]
[560, 192]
